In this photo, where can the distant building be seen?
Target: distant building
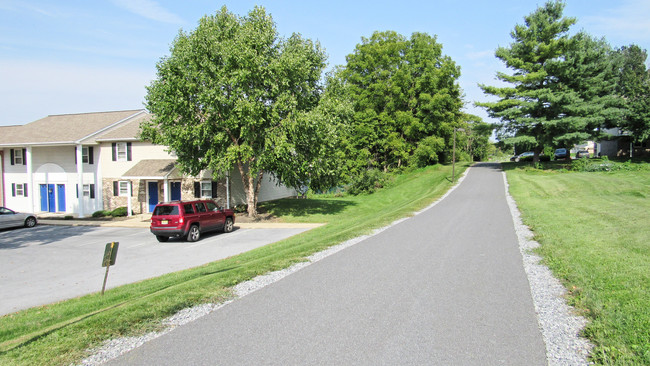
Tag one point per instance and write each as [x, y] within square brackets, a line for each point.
[621, 144]
[77, 164]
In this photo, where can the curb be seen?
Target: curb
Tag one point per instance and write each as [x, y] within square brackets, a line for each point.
[145, 224]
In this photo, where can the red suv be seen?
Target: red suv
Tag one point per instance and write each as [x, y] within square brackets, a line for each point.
[189, 219]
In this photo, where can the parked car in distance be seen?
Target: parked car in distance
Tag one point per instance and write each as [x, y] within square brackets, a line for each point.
[582, 154]
[528, 156]
[11, 218]
[189, 219]
[562, 153]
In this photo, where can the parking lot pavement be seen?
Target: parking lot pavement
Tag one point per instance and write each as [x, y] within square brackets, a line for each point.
[51, 263]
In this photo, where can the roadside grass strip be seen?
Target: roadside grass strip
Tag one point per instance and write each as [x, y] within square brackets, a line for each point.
[63, 333]
[594, 231]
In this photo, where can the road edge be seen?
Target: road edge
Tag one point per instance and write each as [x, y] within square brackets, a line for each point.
[558, 323]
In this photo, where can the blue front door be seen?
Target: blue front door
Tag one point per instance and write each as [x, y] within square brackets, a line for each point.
[153, 195]
[48, 198]
[60, 194]
[43, 197]
[51, 198]
[176, 191]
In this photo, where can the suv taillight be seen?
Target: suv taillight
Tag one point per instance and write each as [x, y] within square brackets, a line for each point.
[180, 220]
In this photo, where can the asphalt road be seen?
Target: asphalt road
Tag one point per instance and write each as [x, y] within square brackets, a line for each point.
[446, 287]
[46, 264]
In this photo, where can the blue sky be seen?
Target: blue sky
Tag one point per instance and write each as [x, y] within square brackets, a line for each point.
[66, 56]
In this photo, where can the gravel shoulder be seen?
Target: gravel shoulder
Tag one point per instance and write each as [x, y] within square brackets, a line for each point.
[557, 320]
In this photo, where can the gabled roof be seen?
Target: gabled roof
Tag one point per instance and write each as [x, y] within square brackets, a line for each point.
[66, 128]
[129, 130]
[152, 169]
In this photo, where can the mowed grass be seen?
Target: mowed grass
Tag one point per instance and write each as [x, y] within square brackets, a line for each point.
[594, 231]
[62, 333]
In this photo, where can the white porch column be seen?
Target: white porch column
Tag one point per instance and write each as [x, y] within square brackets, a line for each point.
[128, 200]
[30, 178]
[166, 190]
[80, 181]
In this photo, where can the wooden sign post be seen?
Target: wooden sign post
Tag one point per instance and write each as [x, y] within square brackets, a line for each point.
[110, 254]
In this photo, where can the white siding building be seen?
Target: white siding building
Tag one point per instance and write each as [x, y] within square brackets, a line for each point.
[77, 164]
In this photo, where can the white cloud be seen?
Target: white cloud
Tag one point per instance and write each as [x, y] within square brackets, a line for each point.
[629, 21]
[150, 10]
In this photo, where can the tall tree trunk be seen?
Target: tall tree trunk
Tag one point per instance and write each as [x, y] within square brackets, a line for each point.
[248, 182]
[536, 153]
[251, 196]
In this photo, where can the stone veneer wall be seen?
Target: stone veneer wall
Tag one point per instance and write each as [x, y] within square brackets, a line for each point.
[139, 194]
[139, 202]
[187, 191]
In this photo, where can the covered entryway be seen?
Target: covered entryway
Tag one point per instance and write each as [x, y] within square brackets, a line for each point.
[157, 173]
[52, 200]
[50, 178]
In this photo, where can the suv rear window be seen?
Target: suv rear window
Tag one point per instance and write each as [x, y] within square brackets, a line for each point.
[165, 210]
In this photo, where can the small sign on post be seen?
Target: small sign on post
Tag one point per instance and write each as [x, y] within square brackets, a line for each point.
[110, 254]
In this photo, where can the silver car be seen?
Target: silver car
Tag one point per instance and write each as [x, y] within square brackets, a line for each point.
[11, 218]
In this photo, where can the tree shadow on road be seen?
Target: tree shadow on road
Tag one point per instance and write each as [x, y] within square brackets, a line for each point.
[39, 235]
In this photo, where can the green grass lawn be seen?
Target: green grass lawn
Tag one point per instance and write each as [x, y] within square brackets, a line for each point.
[60, 334]
[594, 231]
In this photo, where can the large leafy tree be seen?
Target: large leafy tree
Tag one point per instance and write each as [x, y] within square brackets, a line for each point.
[232, 93]
[529, 109]
[405, 95]
[634, 86]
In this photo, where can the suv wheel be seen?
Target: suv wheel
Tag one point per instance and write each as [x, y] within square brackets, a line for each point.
[228, 225]
[162, 239]
[194, 234]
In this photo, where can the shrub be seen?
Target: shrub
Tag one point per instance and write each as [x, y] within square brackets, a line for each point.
[605, 165]
[240, 208]
[101, 213]
[426, 153]
[120, 211]
[367, 181]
